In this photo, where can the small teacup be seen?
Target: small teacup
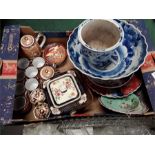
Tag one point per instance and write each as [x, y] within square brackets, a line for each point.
[99, 40]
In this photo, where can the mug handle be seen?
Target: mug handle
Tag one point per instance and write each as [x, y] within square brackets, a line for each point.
[40, 35]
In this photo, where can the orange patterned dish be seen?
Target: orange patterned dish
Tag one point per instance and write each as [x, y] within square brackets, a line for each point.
[55, 54]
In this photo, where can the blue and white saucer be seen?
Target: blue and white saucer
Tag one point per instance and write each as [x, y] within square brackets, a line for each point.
[132, 53]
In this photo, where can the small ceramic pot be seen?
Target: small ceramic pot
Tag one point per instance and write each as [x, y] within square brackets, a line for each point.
[36, 96]
[41, 111]
[99, 39]
[30, 45]
[46, 72]
[22, 105]
[55, 54]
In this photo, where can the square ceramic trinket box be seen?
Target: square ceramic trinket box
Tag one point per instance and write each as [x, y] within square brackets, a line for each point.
[66, 93]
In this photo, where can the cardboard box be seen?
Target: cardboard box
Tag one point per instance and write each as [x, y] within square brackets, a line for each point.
[10, 50]
[148, 72]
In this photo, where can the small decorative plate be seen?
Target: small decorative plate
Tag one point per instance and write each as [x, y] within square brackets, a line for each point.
[121, 92]
[128, 105]
[55, 54]
[111, 84]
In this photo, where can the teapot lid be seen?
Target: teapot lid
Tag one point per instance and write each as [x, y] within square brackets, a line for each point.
[27, 41]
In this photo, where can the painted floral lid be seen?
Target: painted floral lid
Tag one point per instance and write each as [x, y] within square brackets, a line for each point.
[63, 90]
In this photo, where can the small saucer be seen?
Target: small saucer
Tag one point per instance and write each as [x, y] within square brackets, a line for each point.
[131, 105]
[133, 50]
[38, 62]
[31, 84]
[31, 72]
[111, 84]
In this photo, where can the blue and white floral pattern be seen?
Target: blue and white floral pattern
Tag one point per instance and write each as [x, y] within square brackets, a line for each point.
[132, 54]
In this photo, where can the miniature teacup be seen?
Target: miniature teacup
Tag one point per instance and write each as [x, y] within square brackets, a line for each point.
[99, 40]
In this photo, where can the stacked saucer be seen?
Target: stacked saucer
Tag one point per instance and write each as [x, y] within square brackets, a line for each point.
[108, 53]
[124, 59]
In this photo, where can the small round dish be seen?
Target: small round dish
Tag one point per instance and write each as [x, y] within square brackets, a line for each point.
[31, 84]
[120, 92]
[55, 54]
[31, 72]
[111, 84]
[23, 63]
[38, 62]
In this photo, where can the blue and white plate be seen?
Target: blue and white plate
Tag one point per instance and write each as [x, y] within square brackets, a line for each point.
[132, 53]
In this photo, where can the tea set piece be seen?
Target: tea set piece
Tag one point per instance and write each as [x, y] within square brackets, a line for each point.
[120, 92]
[47, 72]
[65, 93]
[31, 72]
[41, 111]
[31, 84]
[130, 105]
[30, 45]
[111, 84]
[36, 96]
[38, 62]
[22, 105]
[20, 89]
[55, 54]
[99, 39]
[20, 75]
[23, 63]
[132, 51]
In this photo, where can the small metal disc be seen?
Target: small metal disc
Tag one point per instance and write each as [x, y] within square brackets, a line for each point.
[31, 72]
[38, 62]
[23, 63]
[31, 84]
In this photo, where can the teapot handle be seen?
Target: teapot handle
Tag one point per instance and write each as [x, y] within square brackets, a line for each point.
[40, 35]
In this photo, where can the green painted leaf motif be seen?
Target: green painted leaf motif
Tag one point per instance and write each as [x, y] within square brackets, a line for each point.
[124, 105]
